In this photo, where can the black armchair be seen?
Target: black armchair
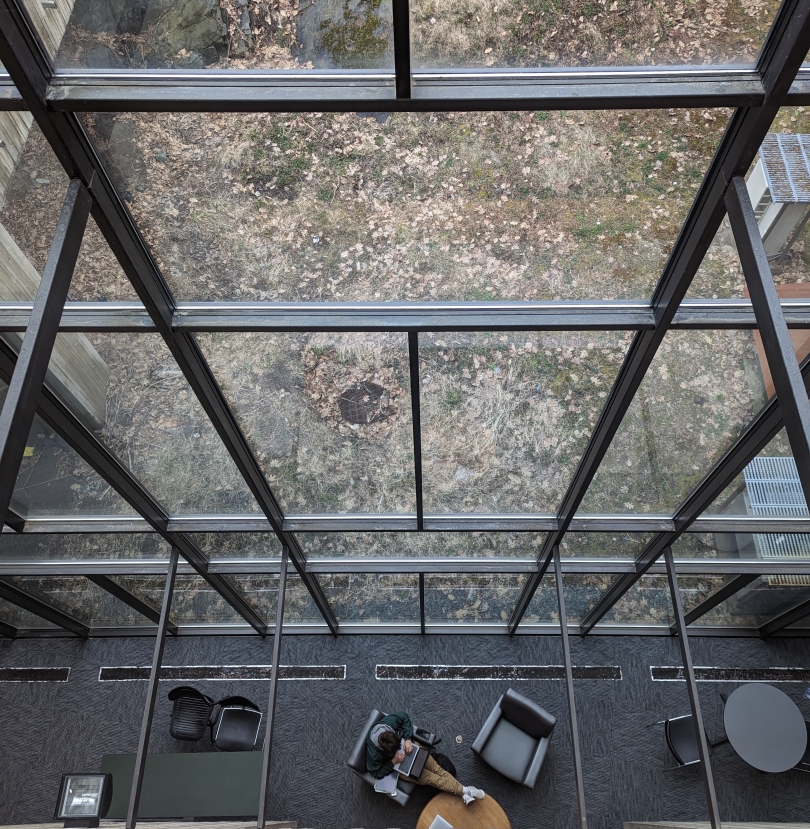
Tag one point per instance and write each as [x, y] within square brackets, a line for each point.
[682, 741]
[357, 758]
[515, 738]
[191, 713]
[236, 727]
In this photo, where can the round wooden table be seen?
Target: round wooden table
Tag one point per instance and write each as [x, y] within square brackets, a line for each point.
[481, 814]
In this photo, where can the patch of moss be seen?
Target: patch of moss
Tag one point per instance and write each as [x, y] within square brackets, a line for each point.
[359, 40]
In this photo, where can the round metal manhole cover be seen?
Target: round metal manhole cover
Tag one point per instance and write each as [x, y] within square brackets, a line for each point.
[363, 403]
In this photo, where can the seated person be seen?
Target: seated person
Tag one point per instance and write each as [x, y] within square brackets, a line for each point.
[383, 751]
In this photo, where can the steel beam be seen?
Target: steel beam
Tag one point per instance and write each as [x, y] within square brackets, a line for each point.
[40, 335]
[121, 593]
[16, 595]
[443, 90]
[691, 688]
[725, 592]
[271, 705]
[8, 631]
[151, 693]
[422, 603]
[401, 14]
[582, 812]
[14, 520]
[416, 420]
[789, 617]
[776, 342]
[554, 315]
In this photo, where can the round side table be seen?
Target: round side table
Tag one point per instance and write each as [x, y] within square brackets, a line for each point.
[482, 814]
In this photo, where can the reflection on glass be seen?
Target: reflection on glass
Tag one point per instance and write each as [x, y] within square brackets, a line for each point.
[472, 598]
[145, 411]
[261, 592]
[786, 237]
[572, 33]
[760, 601]
[22, 619]
[763, 546]
[695, 590]
[98, 277]
[54, 480]
[505, 417]
[227, 34]
[694, 401]
[328, 416]
[581, 592]
[647, 602]
[372, 598]
[82, 547]
[450, 206]
[422, 545]
[194, 601]
[738, 499]
[604, 545]
[82, 599]
[32, 188]
[238, 545]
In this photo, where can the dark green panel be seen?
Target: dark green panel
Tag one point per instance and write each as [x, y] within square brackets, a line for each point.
[203, 784]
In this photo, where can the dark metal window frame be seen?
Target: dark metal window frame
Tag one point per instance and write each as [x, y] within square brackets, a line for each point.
[55, 97]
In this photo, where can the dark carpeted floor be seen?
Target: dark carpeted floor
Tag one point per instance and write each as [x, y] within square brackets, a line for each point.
[49, 728]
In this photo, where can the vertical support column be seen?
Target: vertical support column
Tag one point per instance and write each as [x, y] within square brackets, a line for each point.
[402, 47]
[782, 361]
[416, 420]
[271, 705]
[151, 692]
[40, 336]
[691, 687]
[422, 602]
[569, 687]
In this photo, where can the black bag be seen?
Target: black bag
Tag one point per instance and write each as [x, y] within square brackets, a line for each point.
[445, 762]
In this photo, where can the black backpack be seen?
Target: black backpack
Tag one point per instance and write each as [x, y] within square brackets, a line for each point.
[445, 762]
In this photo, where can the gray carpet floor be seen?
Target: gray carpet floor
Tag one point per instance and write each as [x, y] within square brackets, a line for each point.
[50, 728]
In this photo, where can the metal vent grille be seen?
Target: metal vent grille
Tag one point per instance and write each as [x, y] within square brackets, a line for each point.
[786, 163]
[774, 489]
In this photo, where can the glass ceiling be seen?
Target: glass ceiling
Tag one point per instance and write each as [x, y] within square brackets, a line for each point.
[420, 304]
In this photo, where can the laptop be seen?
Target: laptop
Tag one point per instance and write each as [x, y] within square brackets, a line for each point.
[414, 763]
[440, 823]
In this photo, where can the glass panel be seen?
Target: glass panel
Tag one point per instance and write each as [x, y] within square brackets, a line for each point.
[98, 276]
[694, 401]
[194, 601]
[783, 224]
[145, 411]
[261, 591]
[505, 418]
[82, 599]
[763, 546]
[604, 545]
[738, 499]
[422, 545]
[54, 480]
[81, 546]
[647, 602]
[581, 593]
[471, 598]
[32, 188]
[328, 416]
[695, 590]
[237, 545]
[372, 598]
[478, 206]
[759, 602]
[22, 619]
[227, 34]
[532, 34]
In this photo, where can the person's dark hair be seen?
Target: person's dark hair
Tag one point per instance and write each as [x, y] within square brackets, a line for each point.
[389, 743]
